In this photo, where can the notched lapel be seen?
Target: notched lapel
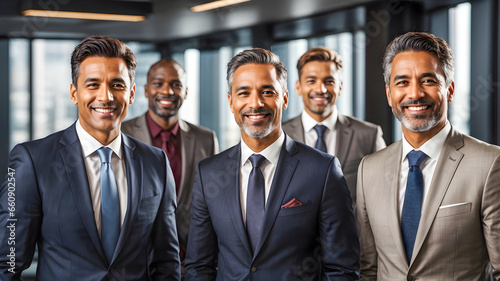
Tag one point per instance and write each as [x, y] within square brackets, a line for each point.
[446, 167]
[134, 170]
[344, 140]
[72, 157]
[285, 169]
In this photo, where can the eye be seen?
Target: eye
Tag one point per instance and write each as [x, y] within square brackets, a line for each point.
[402, 83]
[268, 93]
[330, 82]
[429, 81]
[177, 85]
[310, 81]
[118, 86]
[242, 93]
[157, 84]
[92, 85]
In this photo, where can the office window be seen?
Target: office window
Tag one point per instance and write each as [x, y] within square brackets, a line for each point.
[19, 96]
[460, 42]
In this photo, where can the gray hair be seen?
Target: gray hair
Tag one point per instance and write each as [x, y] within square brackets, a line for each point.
[420, 41]
[258, 56]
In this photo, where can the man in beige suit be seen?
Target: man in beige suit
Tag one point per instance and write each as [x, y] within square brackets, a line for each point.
[440, 218]
[346, 137]
[185, 144]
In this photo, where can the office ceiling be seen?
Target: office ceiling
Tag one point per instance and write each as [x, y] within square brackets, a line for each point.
[169, 20]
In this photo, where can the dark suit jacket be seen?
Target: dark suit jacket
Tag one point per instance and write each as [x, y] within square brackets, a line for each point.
[355, 139]
[314, 241]
[458, 237]
[53, 208]
[197, 143]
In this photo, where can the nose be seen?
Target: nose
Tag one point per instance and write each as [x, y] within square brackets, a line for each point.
[415, 91]
[104, 95]
[166, 90]
[255, 100]
[320, 88]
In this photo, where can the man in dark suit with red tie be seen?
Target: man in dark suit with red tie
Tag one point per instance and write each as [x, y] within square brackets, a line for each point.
[269, 208]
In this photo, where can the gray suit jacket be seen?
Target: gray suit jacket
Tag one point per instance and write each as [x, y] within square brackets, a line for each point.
[197, 143]
[459, 232]
[355, 139]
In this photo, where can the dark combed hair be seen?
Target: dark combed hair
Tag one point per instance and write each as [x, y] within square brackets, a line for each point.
[100, 46]
[319, 54]
[257, 56]
[416, 42]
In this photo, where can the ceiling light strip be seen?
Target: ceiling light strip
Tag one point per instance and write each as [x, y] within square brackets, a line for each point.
[216, 5]
[81, 15]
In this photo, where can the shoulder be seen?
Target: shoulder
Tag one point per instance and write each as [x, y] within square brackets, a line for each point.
[292, 122]
[389, 152]
[482, 149]
[189, 128]
[133, 122]
[143, 149]
[358, 124]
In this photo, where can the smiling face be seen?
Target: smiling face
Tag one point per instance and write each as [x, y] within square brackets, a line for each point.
[319, 85]
[166, 90]
[417, 93]
[257, 101]
[103, 96]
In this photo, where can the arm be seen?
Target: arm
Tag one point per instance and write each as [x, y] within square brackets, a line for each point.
[165, 263]
[367, 242]
[338, 235]
[20, 215]
[202, 252]
[491, 216]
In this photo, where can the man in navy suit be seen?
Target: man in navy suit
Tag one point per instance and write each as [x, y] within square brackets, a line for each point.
[94, 217]
[269, 208]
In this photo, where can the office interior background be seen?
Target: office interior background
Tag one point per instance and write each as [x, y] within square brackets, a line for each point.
[35, 74]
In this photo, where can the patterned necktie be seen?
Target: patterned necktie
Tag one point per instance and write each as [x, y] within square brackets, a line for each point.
[255, 200]
[110, 205]
[412, 208]
[320, 143]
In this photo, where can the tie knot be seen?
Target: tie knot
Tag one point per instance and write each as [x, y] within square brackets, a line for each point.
[416, 158]
[257, 160]
[165, 135]
[320, 130]
[105, 154]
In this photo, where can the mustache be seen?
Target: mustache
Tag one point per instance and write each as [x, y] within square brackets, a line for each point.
[326, 95]
[166, 97]
[257, 111]
[420, 101]
[101, 104]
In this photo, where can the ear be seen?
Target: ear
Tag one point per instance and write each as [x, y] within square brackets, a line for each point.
[285, 100]
[388, 94]
[73, 94]
[340, 88]
[451, 91]
[186, 94]
[146, 91]
[132, 95]
[230, 100]
[297, 88]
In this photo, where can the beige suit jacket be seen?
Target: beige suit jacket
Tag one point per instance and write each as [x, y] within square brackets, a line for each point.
[355, 139]
[197, 143]
[459, 232]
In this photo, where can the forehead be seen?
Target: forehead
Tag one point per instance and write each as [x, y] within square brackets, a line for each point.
[167, 69]
[411, 62]
[99, 67]
[255, 75]
[319, 68]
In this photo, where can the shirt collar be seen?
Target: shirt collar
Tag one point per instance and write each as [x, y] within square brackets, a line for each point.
[90, 144]
[272, 152]
[155, 129]
[308, 122]
[432, 147]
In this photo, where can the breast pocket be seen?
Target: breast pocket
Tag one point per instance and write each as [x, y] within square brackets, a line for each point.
[454, 209]
[295, 210]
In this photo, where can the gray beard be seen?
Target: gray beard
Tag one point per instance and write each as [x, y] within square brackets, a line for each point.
[257, 134]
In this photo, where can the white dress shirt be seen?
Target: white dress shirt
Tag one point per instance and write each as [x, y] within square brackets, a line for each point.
[93, 167]
[330, 136]
[268, 167]
[432, 148]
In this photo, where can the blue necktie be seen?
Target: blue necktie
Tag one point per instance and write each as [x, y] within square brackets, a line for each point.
[412, 207]
[110, 205]
[320, 143]
[255, 199]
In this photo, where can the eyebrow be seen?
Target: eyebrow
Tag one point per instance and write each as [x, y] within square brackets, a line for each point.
[423, 75]
[261, 87]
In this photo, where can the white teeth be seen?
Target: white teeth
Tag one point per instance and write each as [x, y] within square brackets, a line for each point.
[415, 108]
[256, 116]
[104, 110]
[165, 102]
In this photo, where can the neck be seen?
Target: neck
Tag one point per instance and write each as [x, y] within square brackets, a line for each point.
[417, 139]
[166, 123]
[257, 145]
[106, 138]
[319, 117]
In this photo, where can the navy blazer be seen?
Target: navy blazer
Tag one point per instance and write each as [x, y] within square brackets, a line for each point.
[314, 241]
[53, 209]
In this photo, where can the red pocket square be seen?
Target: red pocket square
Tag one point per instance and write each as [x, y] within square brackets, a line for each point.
[292, 203]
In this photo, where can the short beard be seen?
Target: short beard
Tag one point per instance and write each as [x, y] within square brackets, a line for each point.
[253, 131]
[422, 127]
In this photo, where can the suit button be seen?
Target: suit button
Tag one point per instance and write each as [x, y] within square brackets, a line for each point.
[253, 269]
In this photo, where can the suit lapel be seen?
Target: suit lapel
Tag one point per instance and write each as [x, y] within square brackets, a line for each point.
[232, 195]
[284, 171]
[187, 155]
[446, 167]
[392, 171]
[141, 129]
[72, 158]
[133, 166]
[297, 129]
[344, 137]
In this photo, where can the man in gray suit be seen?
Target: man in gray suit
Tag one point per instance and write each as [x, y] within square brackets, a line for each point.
[428, 206]
[185, 144]
[346, 137]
